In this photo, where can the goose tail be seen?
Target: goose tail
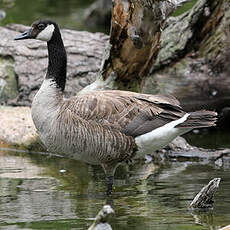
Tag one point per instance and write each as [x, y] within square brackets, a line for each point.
[199, 119]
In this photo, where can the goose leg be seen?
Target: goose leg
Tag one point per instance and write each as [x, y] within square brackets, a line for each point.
[109, 184]
[109, 170]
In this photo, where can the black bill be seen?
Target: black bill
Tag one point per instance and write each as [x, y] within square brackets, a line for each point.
[25, 35]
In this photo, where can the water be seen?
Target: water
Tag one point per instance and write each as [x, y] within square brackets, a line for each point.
[45, 192]
[214, 139]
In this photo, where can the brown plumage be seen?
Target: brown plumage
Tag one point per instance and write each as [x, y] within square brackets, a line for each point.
[103, 127]
[133, 114]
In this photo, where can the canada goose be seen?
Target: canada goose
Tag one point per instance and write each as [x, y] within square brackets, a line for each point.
[102, 127]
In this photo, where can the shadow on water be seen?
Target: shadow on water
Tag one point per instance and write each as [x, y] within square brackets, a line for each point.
[46, 192]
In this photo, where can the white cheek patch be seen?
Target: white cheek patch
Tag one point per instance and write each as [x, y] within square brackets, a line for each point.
[46, 34]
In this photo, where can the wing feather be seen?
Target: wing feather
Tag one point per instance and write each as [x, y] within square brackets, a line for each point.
[132, 113]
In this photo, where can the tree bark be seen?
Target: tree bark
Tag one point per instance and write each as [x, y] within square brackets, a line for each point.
[134, 43]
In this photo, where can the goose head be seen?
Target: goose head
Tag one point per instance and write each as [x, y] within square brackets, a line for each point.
[43, 30]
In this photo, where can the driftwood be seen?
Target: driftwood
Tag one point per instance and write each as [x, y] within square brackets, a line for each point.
[204, 199]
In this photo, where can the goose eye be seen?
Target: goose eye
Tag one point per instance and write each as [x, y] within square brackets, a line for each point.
[41, 26]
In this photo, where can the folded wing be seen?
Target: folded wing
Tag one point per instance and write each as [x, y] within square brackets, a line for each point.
[133, 114]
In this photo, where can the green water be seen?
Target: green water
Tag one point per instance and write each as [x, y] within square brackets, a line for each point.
[214, 139]
[44, 192]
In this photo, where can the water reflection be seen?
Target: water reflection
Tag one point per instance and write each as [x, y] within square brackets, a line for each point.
[44, 192]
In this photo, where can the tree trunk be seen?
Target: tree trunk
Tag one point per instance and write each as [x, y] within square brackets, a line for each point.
[134, 43]
[187, 55]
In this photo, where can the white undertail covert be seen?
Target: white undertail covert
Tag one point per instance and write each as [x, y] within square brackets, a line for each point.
[160, 137]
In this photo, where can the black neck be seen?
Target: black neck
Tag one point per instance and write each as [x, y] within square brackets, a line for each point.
[57, 60]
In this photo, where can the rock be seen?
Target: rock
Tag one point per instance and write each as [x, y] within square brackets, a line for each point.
[8, 80]
[180, 150]
[17, 128]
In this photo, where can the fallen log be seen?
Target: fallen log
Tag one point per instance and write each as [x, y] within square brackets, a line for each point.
[193, 59]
